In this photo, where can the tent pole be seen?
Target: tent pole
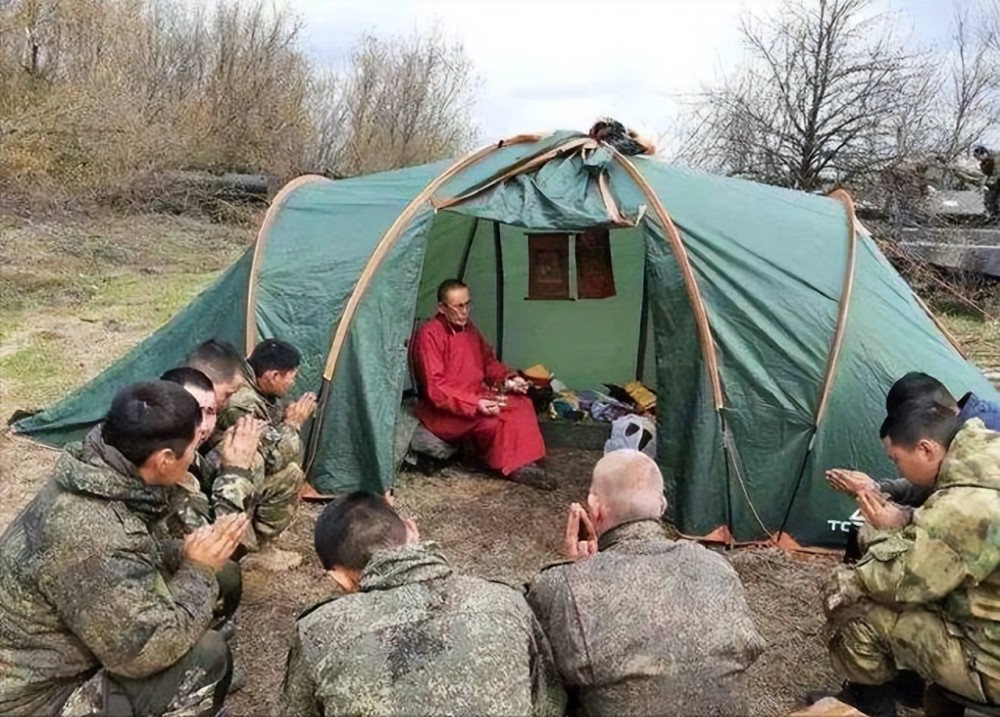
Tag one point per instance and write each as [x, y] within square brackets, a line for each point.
[468, 249]
[498, 253]
[836, 343]
[640, 355]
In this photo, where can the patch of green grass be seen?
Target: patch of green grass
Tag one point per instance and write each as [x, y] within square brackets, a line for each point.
[143, 302]
[37, 372]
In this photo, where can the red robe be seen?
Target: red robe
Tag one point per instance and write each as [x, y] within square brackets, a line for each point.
[452, 366]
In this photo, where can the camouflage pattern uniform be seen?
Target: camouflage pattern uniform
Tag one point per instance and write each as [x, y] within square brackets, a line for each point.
[90, 580]
[927, 597]
[648, 626]
[269, 491]
[420, 639]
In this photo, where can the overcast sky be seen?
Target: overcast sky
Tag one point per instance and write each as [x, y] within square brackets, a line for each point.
[559, 64]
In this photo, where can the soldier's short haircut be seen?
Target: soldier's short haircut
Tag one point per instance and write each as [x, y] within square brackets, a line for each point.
[274, 355]
[147, 417]
[917, 386]
[352, 528]
[916, 420]
[187, 376]
[219, 360]
[447, 286]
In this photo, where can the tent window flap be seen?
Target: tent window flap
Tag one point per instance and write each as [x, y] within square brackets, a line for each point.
[548, 266]
[595, 277]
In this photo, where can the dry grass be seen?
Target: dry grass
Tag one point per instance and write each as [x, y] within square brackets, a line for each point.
[503, 531]
[75, 293]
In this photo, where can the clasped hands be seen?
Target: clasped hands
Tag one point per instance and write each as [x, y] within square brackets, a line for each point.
[875, 507]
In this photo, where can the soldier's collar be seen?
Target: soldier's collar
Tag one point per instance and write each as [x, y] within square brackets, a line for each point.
[646, 529]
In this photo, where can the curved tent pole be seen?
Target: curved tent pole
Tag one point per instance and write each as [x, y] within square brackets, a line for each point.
[687, 274]
[381, 250]
[260, 242]
[705, 339]
[836, 343]
[389, 239]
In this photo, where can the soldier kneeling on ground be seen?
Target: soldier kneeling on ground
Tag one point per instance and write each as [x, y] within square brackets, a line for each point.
[641, 624]
[924, 596]
[101, 611]
[411, 636]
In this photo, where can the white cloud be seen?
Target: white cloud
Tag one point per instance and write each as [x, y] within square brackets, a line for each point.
[559, 64]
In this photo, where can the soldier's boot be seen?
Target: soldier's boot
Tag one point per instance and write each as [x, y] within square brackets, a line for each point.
[873, 700]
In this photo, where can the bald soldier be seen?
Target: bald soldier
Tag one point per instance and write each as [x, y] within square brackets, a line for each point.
[641, 624]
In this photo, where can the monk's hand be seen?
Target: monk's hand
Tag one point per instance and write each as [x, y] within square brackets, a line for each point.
[299, 412]
[851, 482]
[213, 545]
[581, 538]
[239, 443]
[881, 513]
[488, 407]
[517, 384]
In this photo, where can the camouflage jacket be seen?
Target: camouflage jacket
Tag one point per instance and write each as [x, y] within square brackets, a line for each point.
[648, 626]
[85, 583]
[280, 444]
[233, 490]
[948, 558]
[419, 639]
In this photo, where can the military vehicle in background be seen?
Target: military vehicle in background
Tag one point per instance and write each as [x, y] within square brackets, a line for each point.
[935, 212]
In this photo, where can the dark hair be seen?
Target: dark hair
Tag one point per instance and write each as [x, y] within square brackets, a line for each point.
[916, 386]
[449, 285]
[915, 420]
[187, 376]
[219, 360]
[147, 417]
[352, 528]
[274, 354]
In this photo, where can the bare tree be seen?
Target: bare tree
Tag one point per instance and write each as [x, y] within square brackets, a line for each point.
[826, 92]
[402, 101]
[971, 90]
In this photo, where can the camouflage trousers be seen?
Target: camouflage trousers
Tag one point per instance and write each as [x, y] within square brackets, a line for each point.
[869, 643]
[275, 505]
[193, 686]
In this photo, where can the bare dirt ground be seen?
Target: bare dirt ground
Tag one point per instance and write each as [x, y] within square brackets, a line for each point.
[77, 292]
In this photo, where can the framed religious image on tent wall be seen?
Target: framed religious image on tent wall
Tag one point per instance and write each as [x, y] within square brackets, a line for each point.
[595, 276]
[548, 266]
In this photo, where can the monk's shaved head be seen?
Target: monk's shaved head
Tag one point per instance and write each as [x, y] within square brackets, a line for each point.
[629, 486]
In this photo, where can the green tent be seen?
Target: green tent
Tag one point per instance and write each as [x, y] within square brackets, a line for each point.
[767, 320]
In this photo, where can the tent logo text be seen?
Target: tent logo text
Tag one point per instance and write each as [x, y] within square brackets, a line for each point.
[844, 526]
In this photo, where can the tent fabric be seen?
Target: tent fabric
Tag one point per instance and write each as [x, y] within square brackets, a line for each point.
[769, 264]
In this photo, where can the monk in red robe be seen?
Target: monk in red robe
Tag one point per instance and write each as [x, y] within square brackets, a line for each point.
[462, 387]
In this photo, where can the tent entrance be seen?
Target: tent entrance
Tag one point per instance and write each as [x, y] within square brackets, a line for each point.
[584, 342]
